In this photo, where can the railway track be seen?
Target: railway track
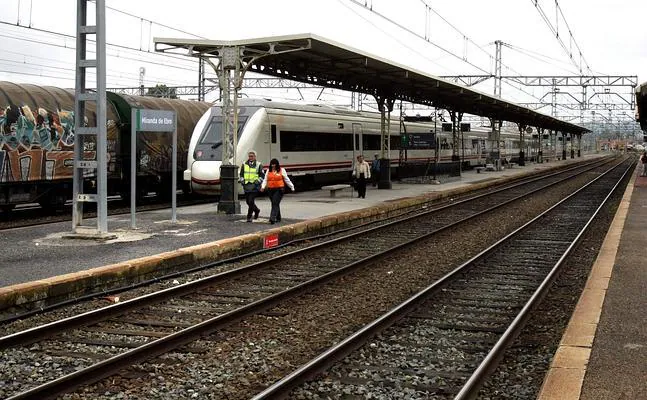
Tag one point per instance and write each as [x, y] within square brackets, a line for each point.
[132, 331]
[444, 341]
[160, 281]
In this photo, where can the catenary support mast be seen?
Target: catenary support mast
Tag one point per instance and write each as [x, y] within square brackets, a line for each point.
[90, 139]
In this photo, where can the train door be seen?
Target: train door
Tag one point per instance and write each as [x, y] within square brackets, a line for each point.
[274, 149]
[358, 141]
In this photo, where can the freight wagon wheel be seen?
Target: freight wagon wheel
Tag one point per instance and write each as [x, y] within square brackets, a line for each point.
[6, 209]
[52, 201]
[163, 191]
[142, 194]
[186, 188]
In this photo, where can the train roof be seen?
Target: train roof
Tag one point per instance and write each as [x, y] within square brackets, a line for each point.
[298, 106]
[324, 108]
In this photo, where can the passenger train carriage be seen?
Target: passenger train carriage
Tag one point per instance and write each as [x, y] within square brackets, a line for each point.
[317, 143]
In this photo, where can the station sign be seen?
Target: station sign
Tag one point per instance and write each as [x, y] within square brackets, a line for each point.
[420, 141]
[155, 120]
[145, 120]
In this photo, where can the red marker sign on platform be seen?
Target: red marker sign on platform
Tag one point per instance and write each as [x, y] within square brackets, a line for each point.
[271, 241]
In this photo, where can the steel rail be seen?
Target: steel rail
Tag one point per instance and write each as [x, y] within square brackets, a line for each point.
[282, 388]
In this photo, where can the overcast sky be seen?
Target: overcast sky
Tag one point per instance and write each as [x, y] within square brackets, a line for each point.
[610, 34]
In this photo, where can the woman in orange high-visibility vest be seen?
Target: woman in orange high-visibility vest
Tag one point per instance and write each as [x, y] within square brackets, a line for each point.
[275, 181]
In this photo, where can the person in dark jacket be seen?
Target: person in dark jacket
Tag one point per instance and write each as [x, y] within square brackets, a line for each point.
[375, 170]
[251, 176]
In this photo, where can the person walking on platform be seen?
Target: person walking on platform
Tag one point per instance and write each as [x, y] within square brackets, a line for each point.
[643, 160]
[361, 172]
[275, 181]
[251, 176]
[375, 170]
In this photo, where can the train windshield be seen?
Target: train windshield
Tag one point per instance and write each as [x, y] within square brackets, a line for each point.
[209, 146]
[213, 133]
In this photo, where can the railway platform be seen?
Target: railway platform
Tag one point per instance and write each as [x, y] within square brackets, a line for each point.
[603, 353]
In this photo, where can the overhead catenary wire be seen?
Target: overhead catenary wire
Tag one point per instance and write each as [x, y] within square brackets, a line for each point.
[124, 75]
[342, 2]
[117, 54]
[72, 38]
[430, 8]
[408, 30]
[540, 57]
[555, 31]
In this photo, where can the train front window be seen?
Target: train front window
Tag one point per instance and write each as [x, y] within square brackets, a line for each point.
[209, 147]
[213, 133]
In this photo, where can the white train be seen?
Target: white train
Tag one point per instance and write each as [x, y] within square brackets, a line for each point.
[317, 143]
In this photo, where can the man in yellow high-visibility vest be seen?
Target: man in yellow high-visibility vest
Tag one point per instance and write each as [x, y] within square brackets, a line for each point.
[251, 176]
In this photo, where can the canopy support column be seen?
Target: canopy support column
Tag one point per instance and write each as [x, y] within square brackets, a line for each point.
[385, 104]
[540, 152]
[456, 117]
[563, 145]
[230, 76]
[579, 145]
[522, 144]
[494, 139]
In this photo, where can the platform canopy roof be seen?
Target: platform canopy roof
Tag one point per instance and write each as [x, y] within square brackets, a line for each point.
[323, 62]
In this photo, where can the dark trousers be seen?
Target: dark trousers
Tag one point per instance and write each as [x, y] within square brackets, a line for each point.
[275, 198]
[361, 186]
[250, 199]
[375, 177]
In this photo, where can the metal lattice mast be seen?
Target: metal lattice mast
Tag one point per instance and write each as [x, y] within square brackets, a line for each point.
[142, 74]
[88, 138]
[201, 80]
[497, 69]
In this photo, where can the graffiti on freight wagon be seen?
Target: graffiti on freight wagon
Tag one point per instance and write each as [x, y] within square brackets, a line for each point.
[37, 145]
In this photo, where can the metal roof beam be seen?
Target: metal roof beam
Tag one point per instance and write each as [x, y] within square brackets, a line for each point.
[327, 63]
